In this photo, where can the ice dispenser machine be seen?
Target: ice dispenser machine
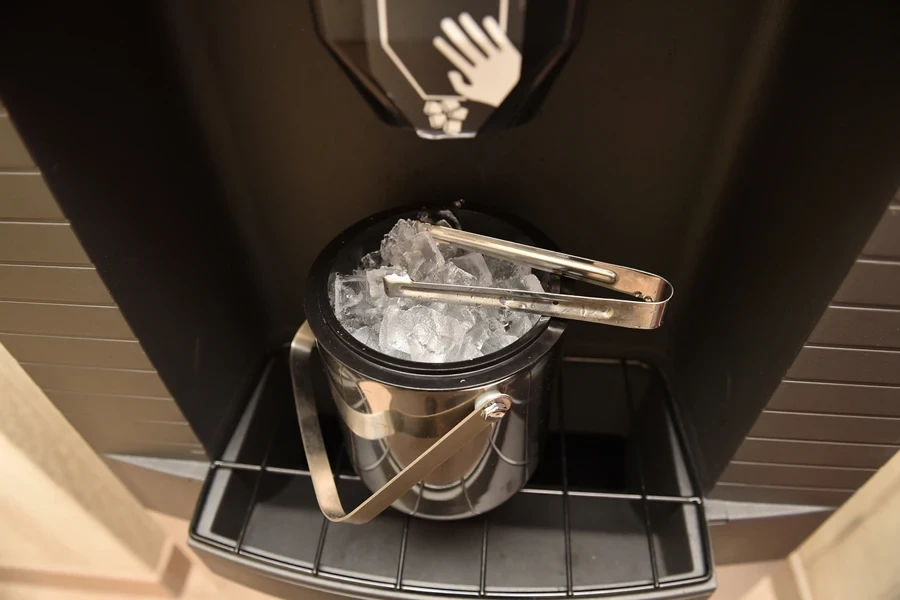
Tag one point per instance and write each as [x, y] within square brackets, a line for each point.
[465, 298]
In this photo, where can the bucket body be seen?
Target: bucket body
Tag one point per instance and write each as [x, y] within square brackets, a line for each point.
[386, 427]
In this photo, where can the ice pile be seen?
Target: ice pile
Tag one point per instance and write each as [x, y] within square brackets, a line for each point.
[429, 331]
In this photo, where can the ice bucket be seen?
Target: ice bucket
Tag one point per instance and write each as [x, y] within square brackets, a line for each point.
[440, 441]
[451, 440]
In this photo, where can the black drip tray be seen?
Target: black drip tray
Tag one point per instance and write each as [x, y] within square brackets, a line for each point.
[611, 511]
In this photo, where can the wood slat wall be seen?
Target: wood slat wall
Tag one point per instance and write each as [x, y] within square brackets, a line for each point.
[71, 320]
[837, 398]
[45, 283]
[90, 380]
[859, 327]
[871, 282]
[116, 407]
[59, 321]
[78, 352]
[823, 454]
[835, 419]
[798, 475]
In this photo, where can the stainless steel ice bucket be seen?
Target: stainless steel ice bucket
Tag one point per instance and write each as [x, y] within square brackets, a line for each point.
[451, 440]
[440, 441]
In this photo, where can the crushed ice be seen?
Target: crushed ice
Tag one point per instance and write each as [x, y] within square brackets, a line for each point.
[429, 331]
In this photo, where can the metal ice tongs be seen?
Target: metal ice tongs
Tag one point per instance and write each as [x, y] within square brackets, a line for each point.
[651, 292]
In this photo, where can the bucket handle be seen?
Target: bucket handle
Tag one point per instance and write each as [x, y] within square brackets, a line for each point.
[489, 408]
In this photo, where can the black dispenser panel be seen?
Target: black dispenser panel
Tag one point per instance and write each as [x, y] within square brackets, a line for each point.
[449, 68]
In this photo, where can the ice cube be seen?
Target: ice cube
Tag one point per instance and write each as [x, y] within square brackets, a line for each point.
[521, 323]
[497, 317]
[418, 255]
[452, 274]
[331, 279]
[467, 316]
[496, 342]
[375, 282]
[396, 353]
[478, 334]
[466, 351]
[372, 260]
[395, 328]
[433, 335]
[529, 283]
[366, 335]
[423, 347]
[474, 264]
[349, 291]
[402, 232]
[363, 313]
[532, 283]
[501, 270]
[449, 251]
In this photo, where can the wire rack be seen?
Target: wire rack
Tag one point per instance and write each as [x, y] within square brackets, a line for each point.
[611, 511]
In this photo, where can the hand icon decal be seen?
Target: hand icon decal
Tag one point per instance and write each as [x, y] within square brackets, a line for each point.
[492, 69]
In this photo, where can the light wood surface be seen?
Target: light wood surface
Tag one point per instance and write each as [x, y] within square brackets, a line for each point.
[66, 518]
[201, 583]
[856, 553]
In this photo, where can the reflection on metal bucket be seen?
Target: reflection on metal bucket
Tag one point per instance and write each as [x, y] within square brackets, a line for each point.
[387, 428]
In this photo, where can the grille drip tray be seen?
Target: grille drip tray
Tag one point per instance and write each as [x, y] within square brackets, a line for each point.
[612, 510]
